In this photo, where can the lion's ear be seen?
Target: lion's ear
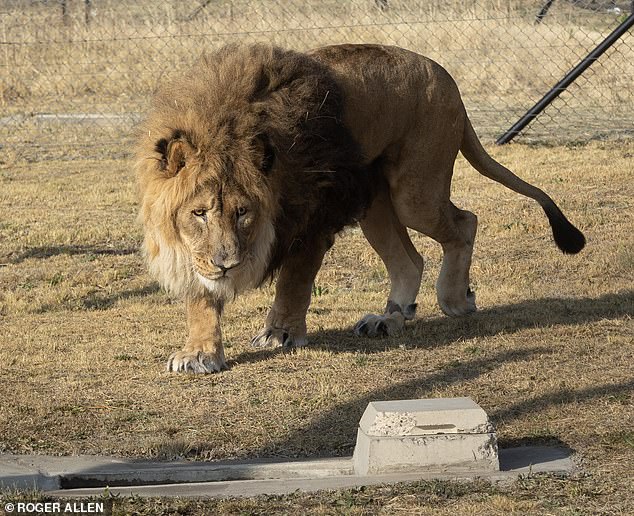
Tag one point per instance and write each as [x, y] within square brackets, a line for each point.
[173, 155]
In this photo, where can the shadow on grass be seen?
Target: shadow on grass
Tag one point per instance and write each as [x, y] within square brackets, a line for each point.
[70, 250]
[99, 301]
[442, 331]
[562, 397]
[335, 431]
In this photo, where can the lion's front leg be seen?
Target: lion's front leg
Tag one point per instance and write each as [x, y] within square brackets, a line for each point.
[286, 321]
[203, 352]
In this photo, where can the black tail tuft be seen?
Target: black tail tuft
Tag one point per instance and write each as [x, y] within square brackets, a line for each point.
[567, 237]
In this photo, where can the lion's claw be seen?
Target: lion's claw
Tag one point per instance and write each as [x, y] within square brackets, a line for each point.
[195, 362]
[380, 325]
[276, 337]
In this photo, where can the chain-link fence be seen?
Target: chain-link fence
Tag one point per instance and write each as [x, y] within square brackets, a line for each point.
[76, 74]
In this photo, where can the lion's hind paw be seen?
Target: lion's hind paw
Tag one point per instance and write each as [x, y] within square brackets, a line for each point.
[380, 325]
[460, 305]
[195, 362]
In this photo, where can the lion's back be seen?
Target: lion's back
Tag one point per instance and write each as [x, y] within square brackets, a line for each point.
[387, 91]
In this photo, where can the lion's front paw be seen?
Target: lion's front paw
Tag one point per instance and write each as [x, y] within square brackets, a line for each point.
[380, 325]
[457, 307]
[195, 362]
[277, 337]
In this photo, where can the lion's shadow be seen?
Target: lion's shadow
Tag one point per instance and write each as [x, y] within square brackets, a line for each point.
[333, 432]
[441, 331]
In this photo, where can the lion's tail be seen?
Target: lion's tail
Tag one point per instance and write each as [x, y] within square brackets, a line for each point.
[567, 237]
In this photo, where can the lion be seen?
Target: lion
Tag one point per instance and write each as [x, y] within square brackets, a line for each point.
[251, 162]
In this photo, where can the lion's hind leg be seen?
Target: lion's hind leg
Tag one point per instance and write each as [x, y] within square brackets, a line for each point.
[455, 231]
[404, 265]
[455, 296]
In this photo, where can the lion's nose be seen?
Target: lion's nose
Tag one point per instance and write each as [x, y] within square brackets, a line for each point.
[224, 263]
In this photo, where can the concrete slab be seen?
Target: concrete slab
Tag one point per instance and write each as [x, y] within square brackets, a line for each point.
[412, 435]
[61, 476]
[50, 473]
[15, 474]
[525, 460]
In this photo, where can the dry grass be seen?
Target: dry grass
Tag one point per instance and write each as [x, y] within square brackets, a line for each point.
[84, 336]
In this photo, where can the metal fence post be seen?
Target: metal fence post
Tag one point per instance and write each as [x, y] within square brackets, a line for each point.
[569, 78]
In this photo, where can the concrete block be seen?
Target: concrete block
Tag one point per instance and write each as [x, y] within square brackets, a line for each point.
[451, 434]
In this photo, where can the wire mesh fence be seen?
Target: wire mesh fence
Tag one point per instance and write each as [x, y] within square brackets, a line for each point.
[77, 74]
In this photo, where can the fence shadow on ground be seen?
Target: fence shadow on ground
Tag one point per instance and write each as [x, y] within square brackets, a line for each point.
[70, 250]
[97, 301]
[104, 301]
[561, 397]
[342, 420]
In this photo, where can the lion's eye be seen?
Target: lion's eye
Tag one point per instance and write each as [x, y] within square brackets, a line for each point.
[199, 212]
[242, 211]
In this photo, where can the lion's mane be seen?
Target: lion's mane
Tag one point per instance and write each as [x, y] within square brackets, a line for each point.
[318, 181]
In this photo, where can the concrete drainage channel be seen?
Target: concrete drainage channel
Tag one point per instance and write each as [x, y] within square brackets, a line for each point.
[397, 441]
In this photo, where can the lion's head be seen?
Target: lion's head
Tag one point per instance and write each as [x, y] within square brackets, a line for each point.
[235, 165]
[209, 221]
